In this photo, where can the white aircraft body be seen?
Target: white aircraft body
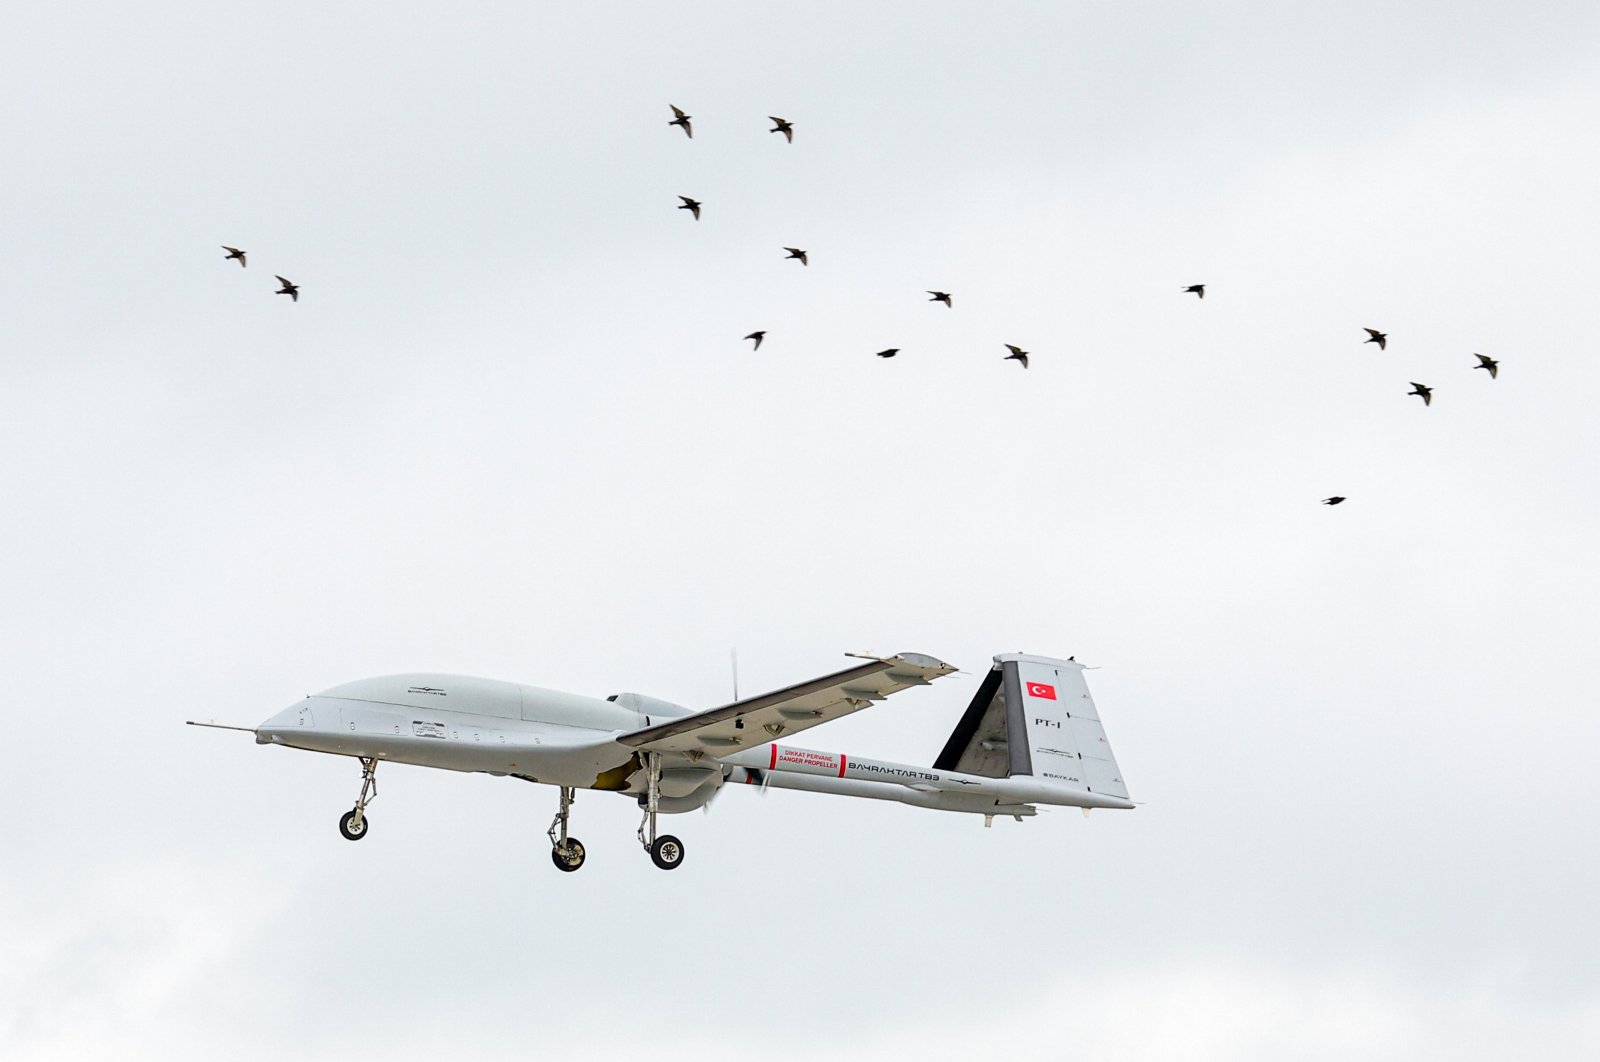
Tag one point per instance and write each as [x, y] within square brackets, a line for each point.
[1030, 736]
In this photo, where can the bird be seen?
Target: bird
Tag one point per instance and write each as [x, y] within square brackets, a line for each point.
[691, 205]
[290, 288]
[1198, 289]
[783, 126]
[758, 337]
[941, 296]
[1017, 353]
[1335, 500]
[1486, 362]
[1380, 338]
[1423, 391]
[891, 352]
[795, 252]
[234, 252]
[681, 119]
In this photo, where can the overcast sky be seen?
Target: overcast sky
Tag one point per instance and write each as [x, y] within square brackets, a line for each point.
[510, 429]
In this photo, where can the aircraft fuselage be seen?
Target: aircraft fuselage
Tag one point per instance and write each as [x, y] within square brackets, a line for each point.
[466, 724]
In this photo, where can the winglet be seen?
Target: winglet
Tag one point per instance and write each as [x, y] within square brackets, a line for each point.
[920, 661]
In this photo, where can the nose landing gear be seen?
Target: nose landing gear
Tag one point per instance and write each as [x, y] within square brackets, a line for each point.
[353, 824]
[565, 852]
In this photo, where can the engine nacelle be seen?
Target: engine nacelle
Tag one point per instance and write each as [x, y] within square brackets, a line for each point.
[679, 782]
[678, 805]
[687, 788]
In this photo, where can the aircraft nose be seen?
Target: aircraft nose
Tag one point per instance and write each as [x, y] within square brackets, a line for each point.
[296, 717]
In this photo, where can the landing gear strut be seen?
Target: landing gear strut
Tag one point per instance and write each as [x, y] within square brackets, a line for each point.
[354, 822]
[565, 852]
[665, 851]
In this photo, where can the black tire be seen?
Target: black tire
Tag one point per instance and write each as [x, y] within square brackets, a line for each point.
[667, 852]
[573, 858]
[347, 827]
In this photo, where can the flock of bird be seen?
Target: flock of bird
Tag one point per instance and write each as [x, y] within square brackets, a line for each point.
[1423, 391]
[684, 121]
[288, 288]
[782, 125]
[786, 127]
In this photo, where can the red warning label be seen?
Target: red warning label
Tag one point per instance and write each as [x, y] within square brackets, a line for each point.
[807, 761]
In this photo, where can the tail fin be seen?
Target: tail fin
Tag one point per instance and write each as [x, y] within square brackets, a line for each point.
[1033, 716]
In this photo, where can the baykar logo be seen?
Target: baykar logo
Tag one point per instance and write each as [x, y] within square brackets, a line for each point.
[1039, 689]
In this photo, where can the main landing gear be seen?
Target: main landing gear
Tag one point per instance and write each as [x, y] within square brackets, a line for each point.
[353, 824]
[665, 851]
[565, 852]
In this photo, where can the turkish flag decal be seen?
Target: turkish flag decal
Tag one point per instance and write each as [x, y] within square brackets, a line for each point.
[1039, 689]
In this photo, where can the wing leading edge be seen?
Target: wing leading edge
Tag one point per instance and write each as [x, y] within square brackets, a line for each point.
[757, 720]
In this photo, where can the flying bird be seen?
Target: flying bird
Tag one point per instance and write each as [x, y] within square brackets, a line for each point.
[1486, 362]
[1335, 500]
[234, 252]
[681, 119]
[1380, 338]
[289, 288]
[795, 252]
[691, 205]
[1017, 354]
[1423, 391]
[758, 337]
[891, 352]
[783, 126]
[1198, 289]
[941, 296]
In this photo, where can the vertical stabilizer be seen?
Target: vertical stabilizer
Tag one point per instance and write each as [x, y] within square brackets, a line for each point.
[1033, 716]
[1066, 741]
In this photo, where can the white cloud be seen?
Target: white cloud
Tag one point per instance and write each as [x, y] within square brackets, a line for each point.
[1196, 1009]
[119, 960]
[1193, 1008]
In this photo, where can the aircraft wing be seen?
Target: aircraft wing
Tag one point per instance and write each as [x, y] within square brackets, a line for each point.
[757, 720]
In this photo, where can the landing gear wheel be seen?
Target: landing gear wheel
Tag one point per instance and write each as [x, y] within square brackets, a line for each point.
[352, 827]
[667, 852]
[569, 860]
[354, 822]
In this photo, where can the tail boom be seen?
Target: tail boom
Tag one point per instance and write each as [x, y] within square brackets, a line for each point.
[787, 767]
